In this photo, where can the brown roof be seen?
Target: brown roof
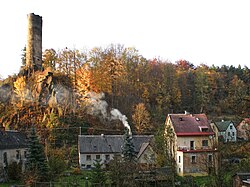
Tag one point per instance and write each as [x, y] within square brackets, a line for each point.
[191, 124]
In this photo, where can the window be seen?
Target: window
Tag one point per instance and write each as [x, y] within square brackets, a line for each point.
[232, 133]
[179, 170]
[107, 157]
[88, 157]
[179, 159]
[193, 159]
[98, 157]
[210, 158]
[228, 133]
[192, 145]
[17, 154]
[231, 127]
[5, 160]
[25, 154]
[88, 166]
[204, 143]
[203, 128]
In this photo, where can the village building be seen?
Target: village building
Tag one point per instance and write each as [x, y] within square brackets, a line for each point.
[105, 147]
[226, 131]
[191, 143]
[13, 148]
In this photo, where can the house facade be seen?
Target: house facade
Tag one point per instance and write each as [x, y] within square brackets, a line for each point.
[105, 147]
[13, 148]
[226, 131]
[191, 143]
[243, 129]
[146, 156]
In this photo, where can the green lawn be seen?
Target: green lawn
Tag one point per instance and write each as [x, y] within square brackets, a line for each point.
[68, 179]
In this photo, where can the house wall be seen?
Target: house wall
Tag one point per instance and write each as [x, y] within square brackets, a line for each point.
[86, 163]
[185, 166]
[215, 129]
[147, 157]
[231, 137]
[222, 134]
[232, 130]
[183, 142]
[179, 163]
[13, 155]
[198, 163]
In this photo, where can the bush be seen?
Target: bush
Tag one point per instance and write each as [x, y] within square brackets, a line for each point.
[14, 171]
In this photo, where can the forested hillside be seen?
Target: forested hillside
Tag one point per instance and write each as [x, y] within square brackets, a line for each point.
[80, 81]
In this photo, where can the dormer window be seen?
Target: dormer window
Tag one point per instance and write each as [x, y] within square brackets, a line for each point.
[203, 128]
[180, 119]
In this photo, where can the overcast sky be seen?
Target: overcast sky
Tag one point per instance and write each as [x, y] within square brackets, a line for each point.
[210, 32]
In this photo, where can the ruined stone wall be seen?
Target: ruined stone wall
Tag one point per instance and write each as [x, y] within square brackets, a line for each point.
[34, 42]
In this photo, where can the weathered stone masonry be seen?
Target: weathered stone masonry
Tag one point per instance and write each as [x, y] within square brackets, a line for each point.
[34, 42]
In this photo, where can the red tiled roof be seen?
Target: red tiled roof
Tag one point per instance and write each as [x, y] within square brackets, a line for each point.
[194, 133]
[191, 124]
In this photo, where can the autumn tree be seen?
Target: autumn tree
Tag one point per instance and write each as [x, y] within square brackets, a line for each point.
[56, 162]
[108, 69]
[237, 93]
[202, 89]
[141, 118]
[50, 58]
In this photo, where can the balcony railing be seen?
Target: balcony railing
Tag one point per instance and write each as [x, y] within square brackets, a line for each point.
[187, 148]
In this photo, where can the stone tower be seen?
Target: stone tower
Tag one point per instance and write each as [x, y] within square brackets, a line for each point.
[34, 42]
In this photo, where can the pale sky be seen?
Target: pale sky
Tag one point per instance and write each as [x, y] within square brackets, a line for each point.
[200, 31]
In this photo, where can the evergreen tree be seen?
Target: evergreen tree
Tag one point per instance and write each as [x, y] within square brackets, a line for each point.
[128, 150]
[97, 174]
[37, 166]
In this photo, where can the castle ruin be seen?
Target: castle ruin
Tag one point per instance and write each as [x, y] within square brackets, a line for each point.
[34, 43]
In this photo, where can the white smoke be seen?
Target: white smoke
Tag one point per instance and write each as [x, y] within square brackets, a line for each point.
[116, 114]
[96, 105]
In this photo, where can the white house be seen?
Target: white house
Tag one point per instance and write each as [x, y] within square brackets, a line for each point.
[226, 131]
[13, 148]
[105, 147]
